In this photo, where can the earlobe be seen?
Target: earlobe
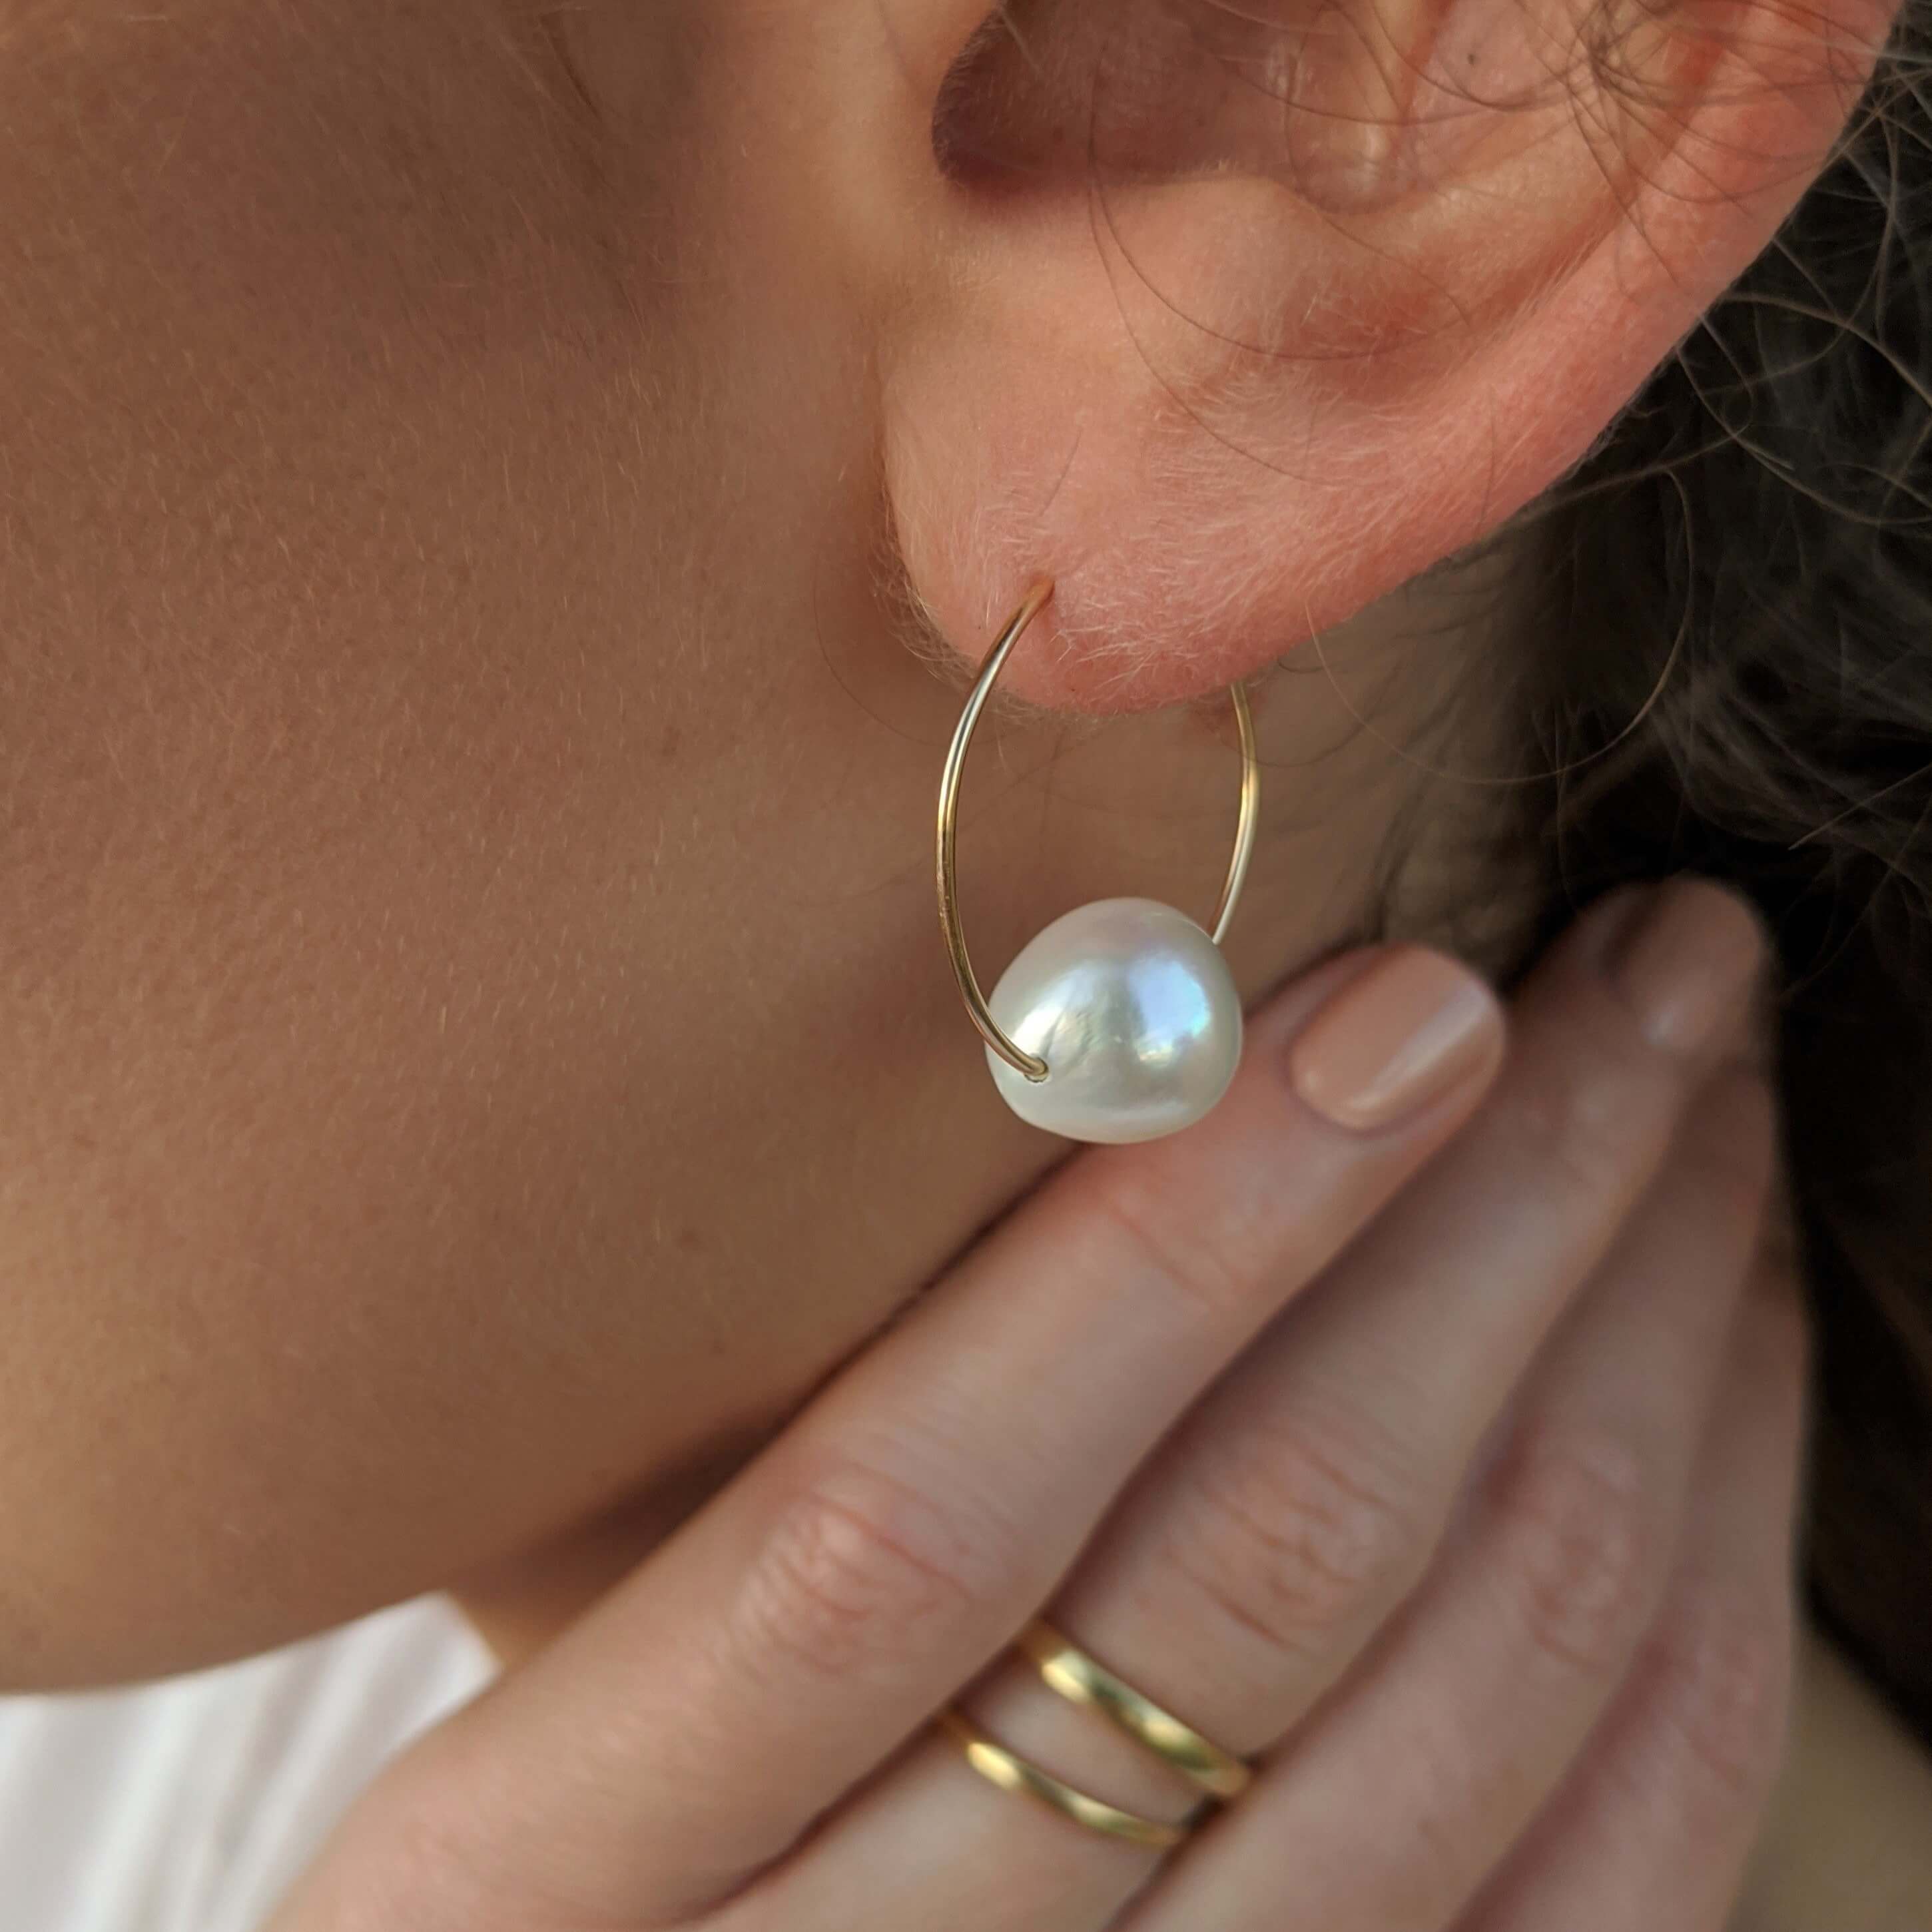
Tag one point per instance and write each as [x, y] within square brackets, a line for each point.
[1225, 404]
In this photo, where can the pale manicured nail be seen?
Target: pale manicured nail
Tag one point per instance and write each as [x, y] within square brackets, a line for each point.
[1413, 1026]
[1689, 968]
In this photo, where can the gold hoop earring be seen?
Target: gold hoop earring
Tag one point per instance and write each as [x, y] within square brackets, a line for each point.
[1120, 1020]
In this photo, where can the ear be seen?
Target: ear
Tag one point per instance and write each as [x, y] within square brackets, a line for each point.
[1231, 319]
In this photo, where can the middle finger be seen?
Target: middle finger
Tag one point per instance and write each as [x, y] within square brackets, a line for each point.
[1303, 1497]
[1303, 1501]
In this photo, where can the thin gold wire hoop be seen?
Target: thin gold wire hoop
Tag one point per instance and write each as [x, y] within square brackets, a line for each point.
[1015, 1055]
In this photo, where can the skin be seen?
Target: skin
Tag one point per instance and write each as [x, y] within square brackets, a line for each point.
[478, 1044]
[1439, 1462]
[496, 507]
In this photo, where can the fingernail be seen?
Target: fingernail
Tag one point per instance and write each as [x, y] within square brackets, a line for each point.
[1414, 1025]
[1689, 967]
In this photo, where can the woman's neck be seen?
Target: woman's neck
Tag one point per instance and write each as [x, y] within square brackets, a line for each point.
[1848, 1845]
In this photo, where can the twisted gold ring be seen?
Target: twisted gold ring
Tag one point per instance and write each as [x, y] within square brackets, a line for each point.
[1079, 1679]
[999, 1766]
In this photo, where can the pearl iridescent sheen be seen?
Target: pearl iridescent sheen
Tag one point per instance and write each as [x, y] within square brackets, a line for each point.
[1132, 1008]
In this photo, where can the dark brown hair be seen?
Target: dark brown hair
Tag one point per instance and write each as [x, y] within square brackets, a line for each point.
[1763, 511]
[1728, 657]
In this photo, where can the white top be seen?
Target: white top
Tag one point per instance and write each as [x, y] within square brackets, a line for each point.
[191, 1805]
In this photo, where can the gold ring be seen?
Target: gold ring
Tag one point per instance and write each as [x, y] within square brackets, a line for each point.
[997, 1765]
[1079, 1678]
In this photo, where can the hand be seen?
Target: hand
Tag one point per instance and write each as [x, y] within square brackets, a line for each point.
[1432, 1445]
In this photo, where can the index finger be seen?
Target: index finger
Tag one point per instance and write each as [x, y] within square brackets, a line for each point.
[805, 1623]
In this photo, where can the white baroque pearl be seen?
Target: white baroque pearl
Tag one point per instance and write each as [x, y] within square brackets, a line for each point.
[1132, 1008]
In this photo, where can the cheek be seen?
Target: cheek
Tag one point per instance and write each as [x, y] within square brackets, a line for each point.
[342, 806]
[475, 1029]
